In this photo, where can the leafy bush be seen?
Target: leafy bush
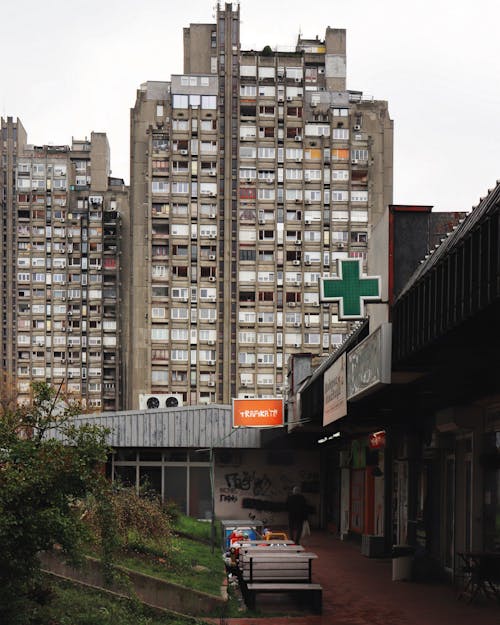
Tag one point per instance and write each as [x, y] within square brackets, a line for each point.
[41, 478]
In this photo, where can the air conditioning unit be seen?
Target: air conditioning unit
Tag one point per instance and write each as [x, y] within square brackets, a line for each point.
[341, 246]
[211, 321]
[162, 400]
[296, 324]
[210, 342]
[212, 236]
[307, 262]
[211, 383]
[211, 362]
[314, 105]
[316, 304]
[296, 344]
[298, 80]
[211, 257]
[288, 98]
[212, 216]
[296, 263]
[307, 324]
[357, 127]
[212, 173]
[262, 222]
[297, 138]
[292, 304]
[212, 279]
[354, 161]
[298, 242]
[183, 152]
[296, 283]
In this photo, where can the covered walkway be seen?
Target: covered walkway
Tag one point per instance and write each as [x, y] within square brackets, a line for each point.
[360, 591]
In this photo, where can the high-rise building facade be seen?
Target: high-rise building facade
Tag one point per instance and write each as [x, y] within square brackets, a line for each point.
[251, 174]
[60, 267]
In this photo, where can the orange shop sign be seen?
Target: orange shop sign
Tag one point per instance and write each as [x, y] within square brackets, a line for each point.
[257, 413]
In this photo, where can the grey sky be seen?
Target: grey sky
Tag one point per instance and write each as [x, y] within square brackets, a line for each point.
[70, 67]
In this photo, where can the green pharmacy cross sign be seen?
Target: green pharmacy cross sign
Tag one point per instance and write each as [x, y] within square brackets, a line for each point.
[350, 289]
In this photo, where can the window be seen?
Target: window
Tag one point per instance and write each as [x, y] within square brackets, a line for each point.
[312, 338]
[340, 174]
[248, 151]
[359, 154]
[179, 187]
[341, 134]
[340, 196]
[266, 296]
[209, 102]
[317, 130]
[159, 376]
[179, 355]
[160, 186]
[248, 254]
[180, 101]
[340, 215]
[246, 337]
[159, 334]
[158, 312]
[265, 152]
[246, 316]
[361, 216]
[246, 358]
[340, 112]
[359, 237]
[293, 174]
[265, 338]
[359, 196]
[247, 91]
[265, 379]
[340, 154]
[179, 313]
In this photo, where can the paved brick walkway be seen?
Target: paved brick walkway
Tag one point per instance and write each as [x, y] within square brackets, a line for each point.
[360, 591]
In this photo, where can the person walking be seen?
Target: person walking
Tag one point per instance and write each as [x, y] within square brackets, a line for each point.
[296, 506]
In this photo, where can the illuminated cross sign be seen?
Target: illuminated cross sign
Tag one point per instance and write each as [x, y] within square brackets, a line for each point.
[350, 289]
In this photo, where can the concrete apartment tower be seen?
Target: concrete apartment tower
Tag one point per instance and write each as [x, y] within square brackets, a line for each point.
[60, 267]
[251, 174]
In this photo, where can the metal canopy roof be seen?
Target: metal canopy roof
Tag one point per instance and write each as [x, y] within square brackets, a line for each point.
[190, 426]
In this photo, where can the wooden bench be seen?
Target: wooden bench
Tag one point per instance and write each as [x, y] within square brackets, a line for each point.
[266, 549]
[276, 565]
[313, 592]
[257, 543]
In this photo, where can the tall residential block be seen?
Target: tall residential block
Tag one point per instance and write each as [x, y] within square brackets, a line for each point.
[251, 174]
[60, 267]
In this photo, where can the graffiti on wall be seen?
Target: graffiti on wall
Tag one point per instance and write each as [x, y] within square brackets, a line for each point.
[262, 492]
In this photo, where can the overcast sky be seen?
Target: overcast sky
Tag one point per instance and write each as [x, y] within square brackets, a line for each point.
[69, 67]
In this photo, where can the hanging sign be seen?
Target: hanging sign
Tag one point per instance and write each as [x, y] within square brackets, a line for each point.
[376, 440]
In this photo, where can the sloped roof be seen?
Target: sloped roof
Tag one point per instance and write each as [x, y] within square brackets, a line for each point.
[487, 206]
[189, 426]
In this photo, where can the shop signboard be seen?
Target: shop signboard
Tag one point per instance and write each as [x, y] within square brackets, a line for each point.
[334, 391]
[258, 413]
[369, 363]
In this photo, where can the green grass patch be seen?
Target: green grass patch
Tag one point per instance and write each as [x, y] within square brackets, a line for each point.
[186, 562]
[76, 605]
[198, 530]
